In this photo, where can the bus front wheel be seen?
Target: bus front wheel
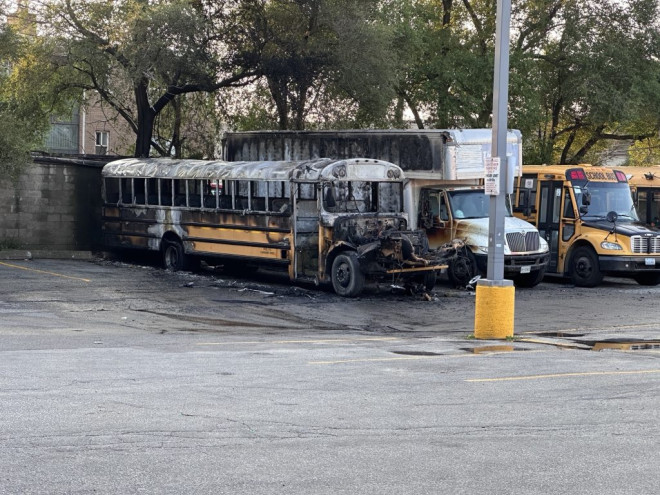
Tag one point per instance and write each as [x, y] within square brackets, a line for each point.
[347, 278]
[585, 271]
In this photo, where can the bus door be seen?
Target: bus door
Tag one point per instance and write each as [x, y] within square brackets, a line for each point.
[648, 205]
[550, 196]
[305, 219]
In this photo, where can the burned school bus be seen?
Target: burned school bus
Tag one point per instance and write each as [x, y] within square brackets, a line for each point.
[323, 220]
[444, 191]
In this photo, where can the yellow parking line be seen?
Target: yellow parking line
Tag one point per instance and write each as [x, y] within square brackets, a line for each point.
[44, 271]
[315, 341]
[562, 375]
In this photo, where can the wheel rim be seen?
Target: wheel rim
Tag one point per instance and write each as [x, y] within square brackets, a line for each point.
[170, 256]
[583, 267]
[343, 274]
[462, 270]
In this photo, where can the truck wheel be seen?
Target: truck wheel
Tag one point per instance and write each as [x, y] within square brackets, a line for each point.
[530, 279]
[174, 258]
[647, 278]
[463, 268]
[585, 271]
[428, 280]
[347, 279]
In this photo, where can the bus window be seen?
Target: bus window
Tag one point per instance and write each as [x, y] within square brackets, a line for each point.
[306, 191]
[556, 207]
[127, 191]
[179, 187]
[389, 197]
[138, 191]
[112, 191]
[165, 192]
[194, 193]
[152, 192]
[258, 193]
[209, 197]
[569, 212]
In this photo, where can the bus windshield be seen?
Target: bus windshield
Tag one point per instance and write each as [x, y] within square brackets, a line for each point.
[605, 197]
[363, 197]
[472, 203]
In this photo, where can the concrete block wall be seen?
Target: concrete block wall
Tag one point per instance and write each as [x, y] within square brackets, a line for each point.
[55, 205]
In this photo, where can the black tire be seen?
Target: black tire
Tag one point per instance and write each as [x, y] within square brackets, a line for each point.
[463, 268]
[530, 279]
[347, 278]
[174, 257]
[585, 271]
[428, 280]
[647, 278]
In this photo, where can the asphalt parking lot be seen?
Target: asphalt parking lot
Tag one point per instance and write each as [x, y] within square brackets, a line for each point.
[123, 378]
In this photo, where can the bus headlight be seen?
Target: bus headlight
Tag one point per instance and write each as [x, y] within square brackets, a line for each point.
[610, 245]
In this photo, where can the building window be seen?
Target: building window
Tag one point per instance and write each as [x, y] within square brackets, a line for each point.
[101, 142]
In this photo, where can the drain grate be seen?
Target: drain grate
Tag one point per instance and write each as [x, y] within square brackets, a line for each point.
[416, 353]
[626, 346]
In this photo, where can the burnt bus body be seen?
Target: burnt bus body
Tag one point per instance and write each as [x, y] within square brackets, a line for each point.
[323, 220]
[441, 167]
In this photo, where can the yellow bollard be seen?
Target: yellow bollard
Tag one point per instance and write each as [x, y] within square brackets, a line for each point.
[494, 309]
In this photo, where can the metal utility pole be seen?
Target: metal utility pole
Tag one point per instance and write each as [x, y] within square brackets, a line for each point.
[500, 109]
[495, 296]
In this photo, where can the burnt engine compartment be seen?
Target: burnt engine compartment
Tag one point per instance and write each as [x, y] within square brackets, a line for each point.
[383, 244]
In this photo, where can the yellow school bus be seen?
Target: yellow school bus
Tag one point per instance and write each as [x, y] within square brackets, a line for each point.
[645, 186]
[588, 218]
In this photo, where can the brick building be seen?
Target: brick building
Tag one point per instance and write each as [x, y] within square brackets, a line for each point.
[92, 129]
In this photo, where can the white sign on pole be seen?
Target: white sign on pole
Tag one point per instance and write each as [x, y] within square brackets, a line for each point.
[492, 175]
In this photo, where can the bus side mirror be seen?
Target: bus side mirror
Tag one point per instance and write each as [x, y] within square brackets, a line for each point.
[586, 199]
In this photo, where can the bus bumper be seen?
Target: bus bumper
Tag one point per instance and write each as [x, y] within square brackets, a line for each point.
[517, 264]
[629, 264]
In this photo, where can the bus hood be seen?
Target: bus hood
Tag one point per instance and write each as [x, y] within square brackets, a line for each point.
[627, 229]
[474, 232]
[511, 224]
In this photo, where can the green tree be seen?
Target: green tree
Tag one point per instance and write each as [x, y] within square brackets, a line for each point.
[323, 62]
[599, 79]
[140, 55]
[24, 116]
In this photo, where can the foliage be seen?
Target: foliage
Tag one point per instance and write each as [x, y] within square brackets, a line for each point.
[23, 119]
[140, 55]
[583, 73]
[320, 52]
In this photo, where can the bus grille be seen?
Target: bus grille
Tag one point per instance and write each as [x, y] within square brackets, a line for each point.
[520, 242]
[646, 245]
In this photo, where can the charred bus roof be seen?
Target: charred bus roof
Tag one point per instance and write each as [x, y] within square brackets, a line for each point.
[320, 169]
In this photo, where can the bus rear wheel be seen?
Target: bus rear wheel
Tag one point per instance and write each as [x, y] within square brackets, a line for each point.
[585, 271]
[347, 278]
[174, 257]
[647, 278]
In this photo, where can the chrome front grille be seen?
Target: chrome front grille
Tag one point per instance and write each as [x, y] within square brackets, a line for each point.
[645, 245]
[520, 242]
